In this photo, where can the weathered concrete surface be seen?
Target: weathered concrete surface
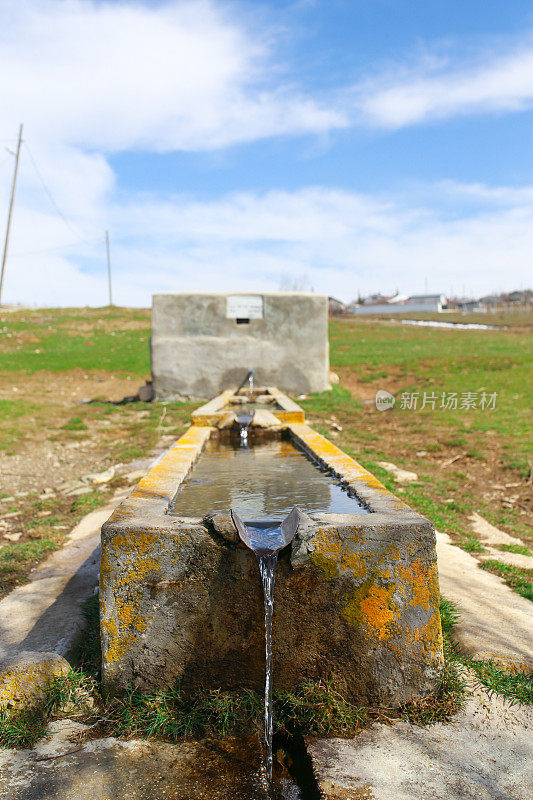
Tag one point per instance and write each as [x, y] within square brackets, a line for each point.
[495, 622]
[24, 675]
[515, 559]
[65, 767]
[44, 615]
[197, 351]
[215, 412]
[486, 753]
[356, 596]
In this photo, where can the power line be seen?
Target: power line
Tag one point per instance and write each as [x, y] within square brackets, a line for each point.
[55, 249]
[52, 201]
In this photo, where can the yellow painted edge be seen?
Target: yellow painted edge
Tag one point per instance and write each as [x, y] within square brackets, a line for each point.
[161, 479]
[339, 461]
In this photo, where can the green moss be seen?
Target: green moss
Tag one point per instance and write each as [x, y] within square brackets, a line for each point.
[327, 565]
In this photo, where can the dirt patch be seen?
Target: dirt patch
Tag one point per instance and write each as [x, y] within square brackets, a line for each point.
[365, 390]
[420, 443]
[66, 388]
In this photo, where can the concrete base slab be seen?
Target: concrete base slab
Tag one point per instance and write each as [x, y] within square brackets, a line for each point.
[514, 559]
[495, 622]
[44, 615]
[486, 753]
[488, 533]
[64, 767]
[400, 475]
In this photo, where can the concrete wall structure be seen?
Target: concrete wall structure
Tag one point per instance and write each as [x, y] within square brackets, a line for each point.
[203, 343]
[356, 595]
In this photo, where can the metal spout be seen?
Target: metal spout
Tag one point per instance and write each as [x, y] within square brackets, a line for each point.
[267, 537]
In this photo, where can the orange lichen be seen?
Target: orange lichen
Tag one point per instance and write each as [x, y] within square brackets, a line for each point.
[122, 636]
[340, 462]
[371, 608]
[422, 581]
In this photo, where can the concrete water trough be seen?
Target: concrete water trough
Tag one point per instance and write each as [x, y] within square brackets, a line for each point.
[356, 593]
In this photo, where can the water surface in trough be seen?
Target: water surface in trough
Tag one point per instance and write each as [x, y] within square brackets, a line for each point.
[262, 481]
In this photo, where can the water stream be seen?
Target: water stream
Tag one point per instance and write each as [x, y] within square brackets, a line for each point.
[267, 567]
[266, 538]
[244, 421]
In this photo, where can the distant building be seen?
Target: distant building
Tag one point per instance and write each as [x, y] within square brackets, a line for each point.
[400, 304]
[336, 306]
[425, 302]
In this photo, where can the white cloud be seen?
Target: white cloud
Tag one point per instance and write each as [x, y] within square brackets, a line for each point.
[341, 241]
[113, 76]
[90, 79]
[437, 90]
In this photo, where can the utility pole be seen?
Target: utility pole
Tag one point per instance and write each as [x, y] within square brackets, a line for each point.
[10, 212]
[108, 267]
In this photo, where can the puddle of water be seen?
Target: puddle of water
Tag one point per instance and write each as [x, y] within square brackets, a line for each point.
[258, 482]
[425, 323]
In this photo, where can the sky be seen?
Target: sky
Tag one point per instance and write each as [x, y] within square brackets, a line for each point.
[343, 146]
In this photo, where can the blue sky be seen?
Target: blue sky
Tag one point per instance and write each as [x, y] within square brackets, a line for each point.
[348, 146]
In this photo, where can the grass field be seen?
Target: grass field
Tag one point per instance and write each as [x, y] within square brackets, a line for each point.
[467, 459]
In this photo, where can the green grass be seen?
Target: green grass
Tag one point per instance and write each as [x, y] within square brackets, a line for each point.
[22, 552]
[88, 502]
[515, 686]
[449, 615]
[74, 424]
[520, 580]
[59, 340]
[88, 654]
[460, 361]
[520, 549]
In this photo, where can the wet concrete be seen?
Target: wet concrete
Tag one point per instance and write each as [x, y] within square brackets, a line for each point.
[63, 768]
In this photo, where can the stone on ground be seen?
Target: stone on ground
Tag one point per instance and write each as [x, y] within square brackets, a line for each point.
[400, 475]
[495, 622]
[24, 675]
[485, 753]
[513, 559]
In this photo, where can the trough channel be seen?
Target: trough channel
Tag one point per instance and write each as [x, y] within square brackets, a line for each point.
[262, 480]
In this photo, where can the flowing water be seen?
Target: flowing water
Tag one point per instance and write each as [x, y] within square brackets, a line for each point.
[267, 567]
[266, 538]
[427, 323]
[244, 421]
